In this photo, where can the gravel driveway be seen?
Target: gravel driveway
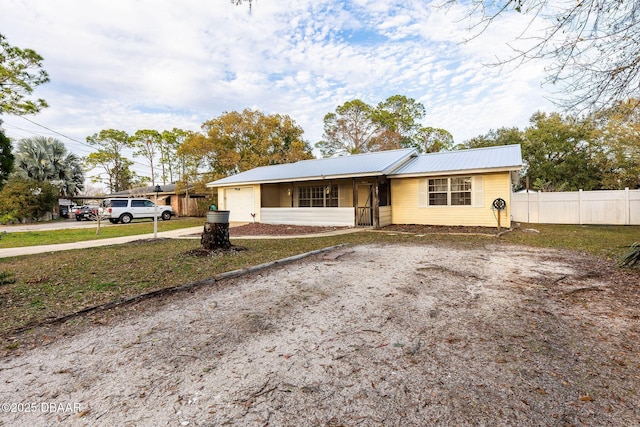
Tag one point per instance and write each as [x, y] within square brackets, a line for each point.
[406, 335]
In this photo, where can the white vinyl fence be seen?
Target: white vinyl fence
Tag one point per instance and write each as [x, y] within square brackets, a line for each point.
[612, 207]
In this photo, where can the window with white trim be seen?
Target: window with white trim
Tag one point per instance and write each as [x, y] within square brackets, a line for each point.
[454, 191]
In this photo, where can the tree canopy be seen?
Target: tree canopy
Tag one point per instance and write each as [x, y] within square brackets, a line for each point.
[592, 45]
[357, 127]
[25, 198]
[568, 153]
[146, 143]
[47, 160]
[110, 157]
[239, 141]
[20, 72]
[6, 157]
[352, 129]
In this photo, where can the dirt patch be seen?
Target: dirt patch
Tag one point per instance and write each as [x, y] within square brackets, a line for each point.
[440, 229]
[202, 252]
[407, 335]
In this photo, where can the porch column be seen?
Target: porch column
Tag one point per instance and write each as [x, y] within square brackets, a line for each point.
[354, 188]
[375, 204]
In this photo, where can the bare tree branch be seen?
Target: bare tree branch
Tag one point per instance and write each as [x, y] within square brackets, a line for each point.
[594, 45]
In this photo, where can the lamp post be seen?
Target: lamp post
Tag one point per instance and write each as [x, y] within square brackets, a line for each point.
[155, 213]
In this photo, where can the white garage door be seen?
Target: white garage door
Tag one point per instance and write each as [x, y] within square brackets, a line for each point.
[239, 201]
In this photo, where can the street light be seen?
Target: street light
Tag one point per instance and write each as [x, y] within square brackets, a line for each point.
[155, 213]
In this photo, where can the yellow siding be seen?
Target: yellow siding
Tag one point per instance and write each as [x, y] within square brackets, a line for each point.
[405, 210]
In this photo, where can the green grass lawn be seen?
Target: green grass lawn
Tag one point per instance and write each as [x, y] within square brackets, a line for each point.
[606, 241]
[49, 237]
[50, 285]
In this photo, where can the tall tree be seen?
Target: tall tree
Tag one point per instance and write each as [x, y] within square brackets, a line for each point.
[235, 142]
[356, 127]
[560, 152]
[110, 158]
[170, 161]
[592, 45]
[619, 160]
[432, 140]
[501, 136]
[147, 143]
[400, 115]
[352, 129]
[6, 157]
[47, 160]
[20, 72]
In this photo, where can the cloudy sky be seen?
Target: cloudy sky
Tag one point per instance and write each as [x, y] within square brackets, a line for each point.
[160, 64]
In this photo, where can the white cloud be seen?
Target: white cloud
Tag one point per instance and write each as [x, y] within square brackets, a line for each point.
[148, 64]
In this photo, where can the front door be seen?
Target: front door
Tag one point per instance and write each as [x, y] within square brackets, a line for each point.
[364, 212]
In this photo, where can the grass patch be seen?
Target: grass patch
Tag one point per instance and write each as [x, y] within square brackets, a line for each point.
[50, 237]
[55, 284]
[607, 241]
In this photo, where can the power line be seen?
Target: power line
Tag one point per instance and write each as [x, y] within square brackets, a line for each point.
[73, 139]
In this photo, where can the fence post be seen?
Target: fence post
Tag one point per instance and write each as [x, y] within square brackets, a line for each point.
[627, 206]
[580, 206]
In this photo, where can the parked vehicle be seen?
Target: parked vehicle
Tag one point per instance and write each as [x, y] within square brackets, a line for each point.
[87, 212]
[124, 210]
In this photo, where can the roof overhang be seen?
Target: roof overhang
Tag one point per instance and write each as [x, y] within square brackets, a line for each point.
[289, 180]
[457, 172]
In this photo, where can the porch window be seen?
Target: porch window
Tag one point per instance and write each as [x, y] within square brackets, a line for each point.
[450, 191]
[318, 196]
[384, 195]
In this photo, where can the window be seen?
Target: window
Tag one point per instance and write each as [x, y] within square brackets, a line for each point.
[438, 191]
[461, 191]
[318, 196]
[117, 203]
[304, 197]
[384, 194]
[450, 191]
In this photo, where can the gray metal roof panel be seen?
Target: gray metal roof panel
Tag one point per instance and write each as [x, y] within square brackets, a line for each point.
[498, 157]
[378, 163]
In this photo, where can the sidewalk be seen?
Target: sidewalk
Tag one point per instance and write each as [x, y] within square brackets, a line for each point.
[183, 233]
[30, 250]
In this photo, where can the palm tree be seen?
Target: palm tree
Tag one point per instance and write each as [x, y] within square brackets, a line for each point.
[46, 159]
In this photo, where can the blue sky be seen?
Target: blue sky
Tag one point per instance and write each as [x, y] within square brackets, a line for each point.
[152, 64]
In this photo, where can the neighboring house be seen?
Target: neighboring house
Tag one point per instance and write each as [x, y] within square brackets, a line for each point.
[377, 189]
[184, 203]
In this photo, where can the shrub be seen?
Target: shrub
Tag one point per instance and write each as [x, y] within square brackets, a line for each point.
[632, 257]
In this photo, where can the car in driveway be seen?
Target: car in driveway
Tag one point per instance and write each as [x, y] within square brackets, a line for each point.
[86, 212]
[125, 210]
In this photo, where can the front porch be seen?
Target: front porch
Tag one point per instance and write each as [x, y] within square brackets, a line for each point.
[348, 202]
[355, 202]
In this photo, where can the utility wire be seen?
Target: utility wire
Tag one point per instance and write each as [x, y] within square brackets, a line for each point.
[73, 139]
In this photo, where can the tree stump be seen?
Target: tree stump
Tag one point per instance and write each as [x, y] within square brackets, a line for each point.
[215, 236]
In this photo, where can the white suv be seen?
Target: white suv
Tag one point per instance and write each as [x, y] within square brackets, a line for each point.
[125, 209]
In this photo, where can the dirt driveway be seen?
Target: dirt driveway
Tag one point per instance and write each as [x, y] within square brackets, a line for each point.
[406, 335]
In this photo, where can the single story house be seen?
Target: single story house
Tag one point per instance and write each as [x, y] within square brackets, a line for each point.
[377, 189]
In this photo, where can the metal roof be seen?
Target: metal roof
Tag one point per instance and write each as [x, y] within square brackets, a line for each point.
[368, 164]
[393, 163]
[503, 157]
